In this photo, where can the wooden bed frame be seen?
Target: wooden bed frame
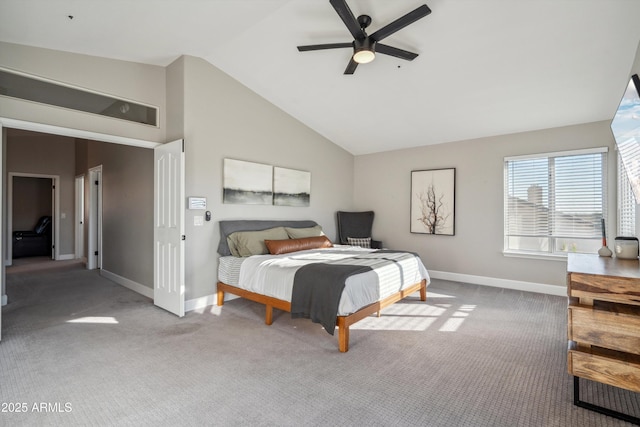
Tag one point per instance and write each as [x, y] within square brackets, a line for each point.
[343, 322]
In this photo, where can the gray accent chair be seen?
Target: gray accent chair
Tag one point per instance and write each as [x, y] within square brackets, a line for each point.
[356, 224]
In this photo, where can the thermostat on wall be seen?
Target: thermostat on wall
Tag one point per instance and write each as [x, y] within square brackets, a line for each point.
[198, 203]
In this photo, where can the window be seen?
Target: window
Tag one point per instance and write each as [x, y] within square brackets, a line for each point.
[554, 203]
[31, 88]
[626, 203]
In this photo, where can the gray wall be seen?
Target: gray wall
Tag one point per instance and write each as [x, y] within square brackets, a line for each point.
[37, 153]
[223, 119]
[127, 208]
[382, 183]
[127, 178]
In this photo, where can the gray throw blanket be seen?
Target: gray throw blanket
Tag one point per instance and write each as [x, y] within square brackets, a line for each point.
[317, 289]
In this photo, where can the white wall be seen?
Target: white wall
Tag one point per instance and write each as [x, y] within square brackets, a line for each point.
[138, 82]
[382, 183]
[224, 119]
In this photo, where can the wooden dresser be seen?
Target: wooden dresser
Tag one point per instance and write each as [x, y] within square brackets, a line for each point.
[604, 324]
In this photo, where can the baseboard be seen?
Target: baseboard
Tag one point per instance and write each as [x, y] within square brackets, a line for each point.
[3, 300]
[518, 285]
[130, 284]
[66, 257]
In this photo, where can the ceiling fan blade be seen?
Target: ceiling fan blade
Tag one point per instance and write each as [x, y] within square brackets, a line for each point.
[347, 17]
[324, 46]
[351, 67]
[394, 51]
[401, 22]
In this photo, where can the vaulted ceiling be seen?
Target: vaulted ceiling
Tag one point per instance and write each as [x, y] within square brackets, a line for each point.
[484, 68]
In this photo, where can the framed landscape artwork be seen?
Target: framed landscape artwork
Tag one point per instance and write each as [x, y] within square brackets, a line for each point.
[291, 187]
[247, 183]
[433, 201]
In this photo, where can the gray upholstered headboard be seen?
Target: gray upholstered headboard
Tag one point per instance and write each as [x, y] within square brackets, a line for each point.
[228, 227]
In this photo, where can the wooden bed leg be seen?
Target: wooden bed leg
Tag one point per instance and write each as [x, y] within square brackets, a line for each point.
[220, 298]
[268, 316]
[423, 291]
[378, 313]
[343, 335]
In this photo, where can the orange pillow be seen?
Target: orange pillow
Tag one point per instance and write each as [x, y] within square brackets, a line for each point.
[277, 247]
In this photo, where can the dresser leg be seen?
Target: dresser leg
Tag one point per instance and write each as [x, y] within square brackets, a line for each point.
[599, 409]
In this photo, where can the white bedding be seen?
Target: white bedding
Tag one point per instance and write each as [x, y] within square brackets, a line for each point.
[272, 275]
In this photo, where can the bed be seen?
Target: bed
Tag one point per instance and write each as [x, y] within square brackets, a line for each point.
[292, 266]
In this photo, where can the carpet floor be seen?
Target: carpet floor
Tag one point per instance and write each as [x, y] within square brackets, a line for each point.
[78, 349]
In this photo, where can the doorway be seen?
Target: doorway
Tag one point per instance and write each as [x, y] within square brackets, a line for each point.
[82, 135]
[32, 216]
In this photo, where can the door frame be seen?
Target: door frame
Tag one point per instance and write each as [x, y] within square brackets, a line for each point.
[55, 213]
[94, 241]
[78, 218]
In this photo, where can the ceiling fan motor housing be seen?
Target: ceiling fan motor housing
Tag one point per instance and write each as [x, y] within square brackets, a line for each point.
[364, 50]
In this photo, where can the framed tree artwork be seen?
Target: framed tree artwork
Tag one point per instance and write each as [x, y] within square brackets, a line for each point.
[433, 197]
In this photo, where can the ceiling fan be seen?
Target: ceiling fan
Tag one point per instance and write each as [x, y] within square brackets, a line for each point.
[365, 46]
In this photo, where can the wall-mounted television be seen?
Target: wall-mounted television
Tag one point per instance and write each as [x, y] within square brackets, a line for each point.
[626, 131]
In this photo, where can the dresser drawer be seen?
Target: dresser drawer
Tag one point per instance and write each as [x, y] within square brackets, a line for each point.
[613, 371]
[616, 330]
[606, 288]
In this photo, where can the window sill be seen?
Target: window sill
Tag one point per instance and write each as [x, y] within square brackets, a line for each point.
[548, 257]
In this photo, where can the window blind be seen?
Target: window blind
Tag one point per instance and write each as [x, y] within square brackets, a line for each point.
[626, 203]
[555, 202]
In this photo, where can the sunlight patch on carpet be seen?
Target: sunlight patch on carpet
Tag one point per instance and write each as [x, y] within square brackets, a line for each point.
[417, 317]
[102, 320]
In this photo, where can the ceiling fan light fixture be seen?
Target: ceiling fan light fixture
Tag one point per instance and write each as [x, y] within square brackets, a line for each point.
[364, 51]
[364, 56]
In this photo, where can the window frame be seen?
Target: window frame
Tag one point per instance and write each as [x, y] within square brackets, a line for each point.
[552, 253]
[626, 206]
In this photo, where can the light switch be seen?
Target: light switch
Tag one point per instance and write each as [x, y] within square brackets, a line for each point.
[198, 220]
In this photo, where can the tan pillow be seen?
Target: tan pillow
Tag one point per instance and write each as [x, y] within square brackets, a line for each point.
[249, 243]
[277, 247]
[299, 233]
[231, 243]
